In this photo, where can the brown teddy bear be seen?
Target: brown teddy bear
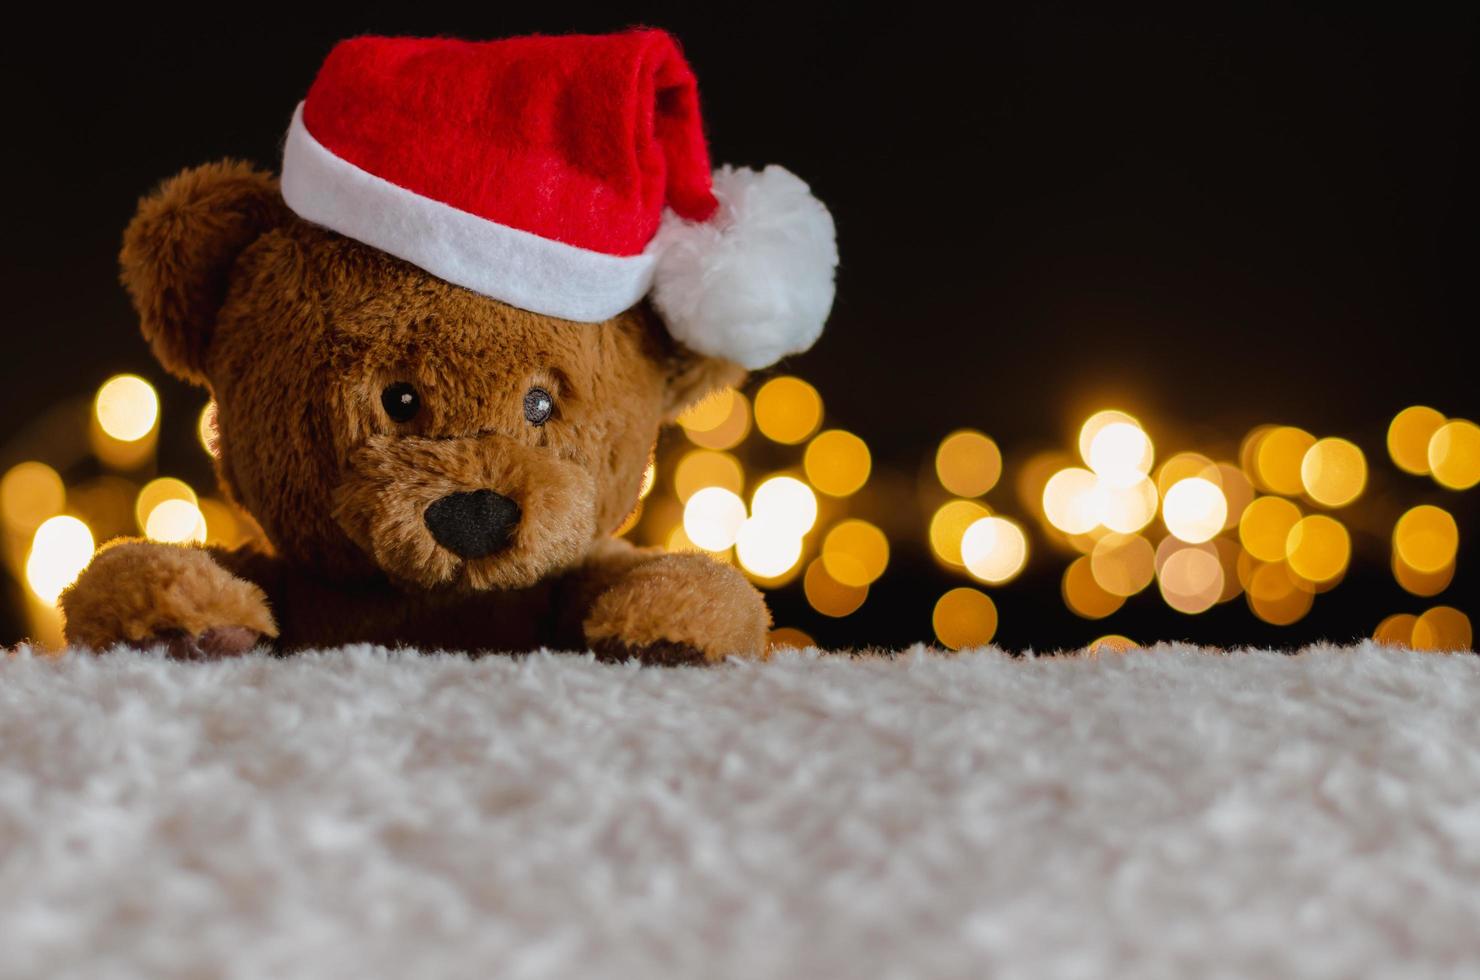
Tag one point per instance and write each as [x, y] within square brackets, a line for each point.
[441, 349]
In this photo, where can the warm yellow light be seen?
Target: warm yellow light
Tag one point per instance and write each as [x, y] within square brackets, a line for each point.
[1318, 548]
[1229, 554]
[789, 638]
[720, 421]
[1426, 538]
[1265, 527]
[1083, 595]
[949, 524]
[1184, 466]
[1194, 509]
[767, 549]
[205, 429]
[649, 477]
[1120, 454]
[855, 552]
[1421, 583]
[1096, 423]
[964, 618]
[175, 522]
[678, 540]
[633, 518]
[30, 492]
[1408, 438]
[60, 550]
[787, 503]
[127, 407]
[829, 596]
[1454, 454]
[1237, 491]
[222, 526]
[787, 410]
[1070, 501]
[1275, 596]
[1191, 579]
[837, 462]
[156, 492]
[700, 468]
[712, 517]
[994, 549]
[1396, 630]
[1334, 472]
[1033, 477]
[968, 463]
[1445, 629]
[1125, 509]
[1277, 463]
[1123, 564]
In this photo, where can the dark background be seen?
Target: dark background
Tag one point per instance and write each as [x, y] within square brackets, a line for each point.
[1212, 218]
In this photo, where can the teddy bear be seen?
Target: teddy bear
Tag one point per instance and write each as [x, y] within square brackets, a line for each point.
[442, 344]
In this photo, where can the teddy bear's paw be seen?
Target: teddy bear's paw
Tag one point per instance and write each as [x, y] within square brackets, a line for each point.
[679, 609]
[147, 594]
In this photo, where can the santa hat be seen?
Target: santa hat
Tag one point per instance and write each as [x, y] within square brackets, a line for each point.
[564, 175]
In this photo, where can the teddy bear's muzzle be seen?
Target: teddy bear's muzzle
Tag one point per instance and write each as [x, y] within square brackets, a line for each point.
[474, 524]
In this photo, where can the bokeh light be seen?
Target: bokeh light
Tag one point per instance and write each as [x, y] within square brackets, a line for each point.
[968, 463]
[712, 517]
[837, 463]
[1333, 472]
[1120, 454]
[964, 618]
[126, 407]
[1275, 596]
[789, 638]
[1277, 462]
[1191, 578]
[787, 410]
[175, 521]
[1265, 527]
[948, 525]
[30, 492]
[1408, 438]
[1096, 423]
[829, 596]
[787, 503]
[1443, 628]
[1396, 630]
[206, 431]
[994, 549]
[855, 552]
[700, 468]
[767, 549]
[1238, 492]
[1194, 509]
[1125, 509]
[1185, 466]
[1123, 564]
[1421, 583]
[1454, 455]
[1083, 595]
[1110, 643]
[1426, 538]
[1318, 548]
[60, 550]
[1070, 501]
[718, 421]
[156, 492]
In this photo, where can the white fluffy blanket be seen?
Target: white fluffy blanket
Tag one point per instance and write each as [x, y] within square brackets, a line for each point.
[359, 813]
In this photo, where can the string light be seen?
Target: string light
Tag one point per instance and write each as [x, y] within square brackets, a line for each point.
[994, 549]
[829, 596]
[837, 463]
[968, 463]
[787, 410]
[1265, 527]
[1443, 628]
[767, 549]
[156, 492]
[1123, 564]
[855, 552]
[963, 618]
[175, 521]
[1426, 539]
[712, 517]
[719, 421]
[700, 468]
[1194, 509]
[60, 550]
[786, 503]
[1408, 438]
[1318, 548]
[1333, 472]
[1083, 595]
[1454, 455]
[126, 407]
[948, 525]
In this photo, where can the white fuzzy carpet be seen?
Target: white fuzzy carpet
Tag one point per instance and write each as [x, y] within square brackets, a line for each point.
[363, 814]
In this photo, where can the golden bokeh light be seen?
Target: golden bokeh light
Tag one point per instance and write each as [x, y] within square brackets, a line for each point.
[1396, 630]
[1071, 501]
[719, 421]
[1123, 564]
[206, 431]
[1185, 466]
[1194, 509]
[948, 525]
[1408, 438]
[175, 521]
[1111, 643]
[1421, 583]
[1191, 579]
[1230, 553]
[964, 618]
[968, 463]
[678, 540]
[712, 517]
[1280, 454]
[223, 527]
[1238, 492]
[30, 492]
[1265, 527]
[1083, 595]
[787, 410]
[787, 503]
[1426, 538]
[60, 549]
[1126, 509]
[1454, 454]
[994, 549]
[156, 492]
[1096, 423]
[1275, 596]
[837, 463]
[789, 638]
[767, 549]
[829, 596]
[1318, 548]
[855, 552]
[1333, 472]
[1033, 477]
[700, 468]
[126, 407]
[1443, 629]
[1120, 454]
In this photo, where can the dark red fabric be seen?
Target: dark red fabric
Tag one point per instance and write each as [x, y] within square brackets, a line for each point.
[582, 139]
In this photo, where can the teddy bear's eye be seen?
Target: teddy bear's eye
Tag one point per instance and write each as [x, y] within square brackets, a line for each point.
[538, 406]
[400, 401]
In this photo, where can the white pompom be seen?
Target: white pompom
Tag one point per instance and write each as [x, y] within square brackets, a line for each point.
[755, 282]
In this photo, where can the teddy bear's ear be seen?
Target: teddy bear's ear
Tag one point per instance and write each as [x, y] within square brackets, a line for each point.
[692, 376]
[179, 250]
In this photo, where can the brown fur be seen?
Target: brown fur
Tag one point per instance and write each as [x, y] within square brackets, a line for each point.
[296, 331]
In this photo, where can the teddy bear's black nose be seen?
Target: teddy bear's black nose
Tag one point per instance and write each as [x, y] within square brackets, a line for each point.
[473, 525]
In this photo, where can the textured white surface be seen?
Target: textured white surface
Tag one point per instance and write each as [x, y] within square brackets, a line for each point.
[364, 814]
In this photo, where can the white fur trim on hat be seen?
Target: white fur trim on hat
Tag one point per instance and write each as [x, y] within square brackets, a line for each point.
[755, 282]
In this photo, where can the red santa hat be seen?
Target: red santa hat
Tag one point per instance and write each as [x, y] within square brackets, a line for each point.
[564, 175]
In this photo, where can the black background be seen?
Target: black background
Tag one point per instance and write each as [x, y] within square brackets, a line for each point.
[1210, 217]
